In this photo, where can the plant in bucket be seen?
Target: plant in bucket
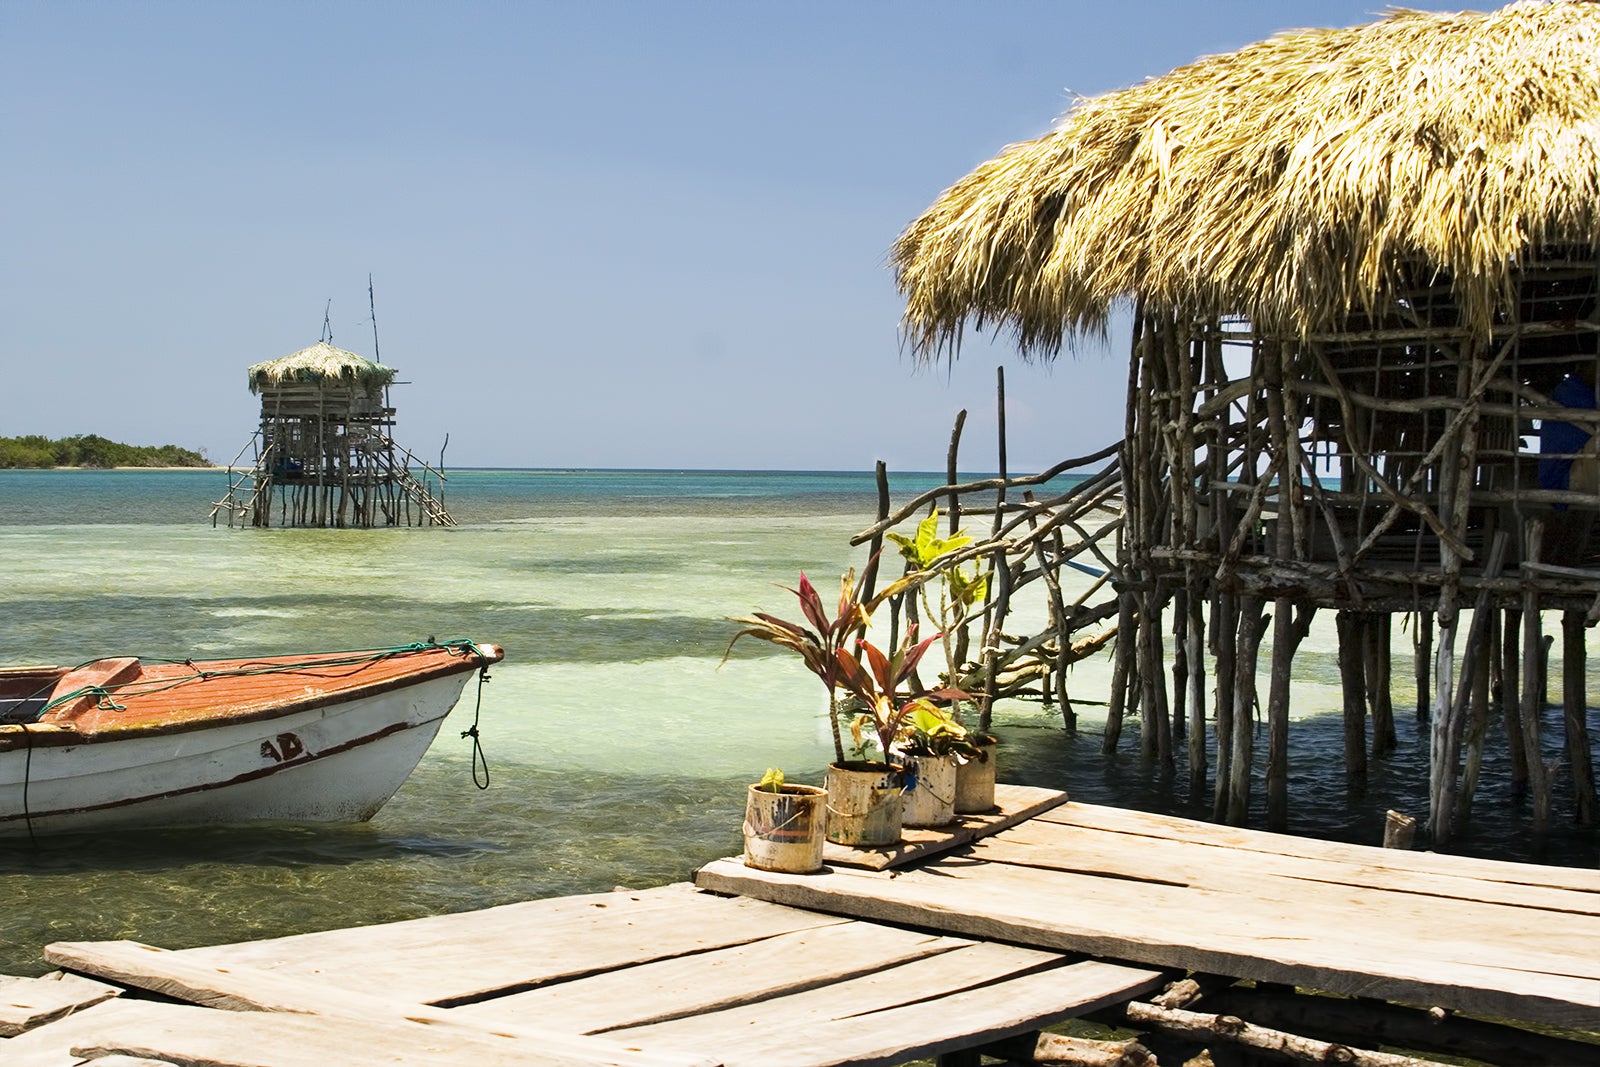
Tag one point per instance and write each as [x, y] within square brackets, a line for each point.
[783, 825]
[960, 591]
[822, 644]
[931, 746]
[876, 680]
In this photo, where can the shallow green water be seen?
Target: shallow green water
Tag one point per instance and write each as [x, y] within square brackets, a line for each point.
[618, 751]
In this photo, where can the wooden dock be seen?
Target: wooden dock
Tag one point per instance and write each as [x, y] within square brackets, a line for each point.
[1514, 940]
[667, 977]
[995, 929]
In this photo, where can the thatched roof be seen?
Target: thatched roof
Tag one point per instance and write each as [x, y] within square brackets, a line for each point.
[321, 363]
[1285, 183]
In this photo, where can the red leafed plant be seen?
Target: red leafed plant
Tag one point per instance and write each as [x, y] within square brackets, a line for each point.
[821, 642]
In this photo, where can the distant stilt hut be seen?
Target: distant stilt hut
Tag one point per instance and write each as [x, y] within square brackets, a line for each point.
[1362, 268]
[324, 455]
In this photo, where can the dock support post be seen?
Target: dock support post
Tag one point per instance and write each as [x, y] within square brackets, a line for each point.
[1379, 631]
[1533, 689]
[1252, 624]
[1511, 699]
[1574, 702]
[1422, 661]
[1351, 626]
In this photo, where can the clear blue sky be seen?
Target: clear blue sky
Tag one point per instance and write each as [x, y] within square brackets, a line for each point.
[602, 234]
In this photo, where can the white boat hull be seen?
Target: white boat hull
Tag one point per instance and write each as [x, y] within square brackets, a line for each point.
[338, 762]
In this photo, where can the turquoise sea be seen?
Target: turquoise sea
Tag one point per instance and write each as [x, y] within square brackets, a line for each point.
[618, 751]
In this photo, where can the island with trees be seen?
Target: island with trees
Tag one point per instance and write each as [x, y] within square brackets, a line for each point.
[91, 450]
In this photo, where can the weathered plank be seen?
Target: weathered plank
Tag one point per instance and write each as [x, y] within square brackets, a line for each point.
[1266, 875]
[1013, 804]
[202, 1037]
[247, 989]
[905, 1016]
[473, 954]
[1146, 824]
[29, 1002]
[714, 981]
[1355, 950]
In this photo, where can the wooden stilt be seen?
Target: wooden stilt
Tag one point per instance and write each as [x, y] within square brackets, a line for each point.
[1533, 690]
[1225, 626]
[1252, 624]
[1511, 699]
[1194, 638]
[1423, 663]
[1121, 668]
[1351, 626]
[1574, 702]
[1378, 633]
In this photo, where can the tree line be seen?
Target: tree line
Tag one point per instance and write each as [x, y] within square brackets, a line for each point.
[92, 450]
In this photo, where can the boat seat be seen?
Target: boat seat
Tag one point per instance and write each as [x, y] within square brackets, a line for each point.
[102, 672]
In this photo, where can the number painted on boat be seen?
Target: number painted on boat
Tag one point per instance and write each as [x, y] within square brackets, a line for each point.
[283, 748]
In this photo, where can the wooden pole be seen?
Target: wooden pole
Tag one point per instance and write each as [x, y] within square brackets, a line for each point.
[1379, 637]
[1194, 638]
[1574, 702]
[1122, 657]
[1225, 626]
[1286, 637]
[1252, 624]
[1422, 661]
[1351, 626]
[1533, 688]
[1511, 700]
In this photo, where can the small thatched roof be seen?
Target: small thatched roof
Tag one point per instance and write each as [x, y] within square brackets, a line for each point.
[321, 363]
[1286, 183]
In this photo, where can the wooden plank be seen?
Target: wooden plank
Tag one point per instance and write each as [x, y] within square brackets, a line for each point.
[201, 1037]
[970, 966]
[1172, 828]
[713, 981]
[1224, 869]
[1181, 928]
[920, 1019]
[470, 955]
[29, 1002]
[1013, 804]
[247, 989]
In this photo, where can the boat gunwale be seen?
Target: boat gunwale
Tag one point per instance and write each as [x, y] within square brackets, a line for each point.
[14, 736]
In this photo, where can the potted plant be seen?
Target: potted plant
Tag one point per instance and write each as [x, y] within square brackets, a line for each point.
[932, 746]
[960, 591]
[784, 825]
[865, 796]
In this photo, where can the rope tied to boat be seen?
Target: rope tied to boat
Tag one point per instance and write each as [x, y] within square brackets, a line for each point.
[478, 757]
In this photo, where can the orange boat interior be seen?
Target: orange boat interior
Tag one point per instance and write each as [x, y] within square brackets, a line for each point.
[121, 695]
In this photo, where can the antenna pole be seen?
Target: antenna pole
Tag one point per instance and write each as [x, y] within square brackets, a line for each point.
[327, 323]
[372, 303]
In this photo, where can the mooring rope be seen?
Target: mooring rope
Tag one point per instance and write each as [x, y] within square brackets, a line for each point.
[478, 758]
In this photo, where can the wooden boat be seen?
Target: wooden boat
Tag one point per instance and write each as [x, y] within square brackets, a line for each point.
[314, 738]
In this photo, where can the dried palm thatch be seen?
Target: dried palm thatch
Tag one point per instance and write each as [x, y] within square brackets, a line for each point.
[1288, 183]
[321, 362]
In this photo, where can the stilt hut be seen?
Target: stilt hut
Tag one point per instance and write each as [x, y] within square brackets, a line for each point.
[1361, 269]
[324, 454]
